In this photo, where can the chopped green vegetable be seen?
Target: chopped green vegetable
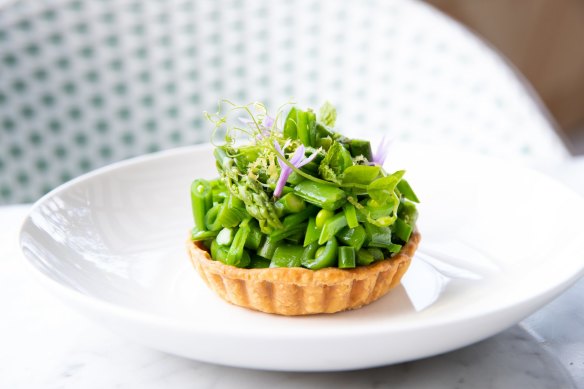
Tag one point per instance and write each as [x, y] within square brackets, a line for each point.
[331, 227]
[361, 148]
[291, 203]
[325, 256]
[235, 255]
[312, 231]
[225, 236]
[351, 215]
[346, 257]
[201, 200]
[257, 262]
[322, 195]
[287, 256]
[354, 237]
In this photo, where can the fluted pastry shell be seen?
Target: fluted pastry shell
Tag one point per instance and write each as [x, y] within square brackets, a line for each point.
[300, 291]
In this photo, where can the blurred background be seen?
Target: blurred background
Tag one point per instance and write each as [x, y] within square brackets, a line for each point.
[86, 83]
[543, 39]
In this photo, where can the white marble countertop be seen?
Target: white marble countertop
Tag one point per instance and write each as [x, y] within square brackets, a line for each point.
[44, 344]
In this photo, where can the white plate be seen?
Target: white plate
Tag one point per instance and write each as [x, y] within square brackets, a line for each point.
[499, 241]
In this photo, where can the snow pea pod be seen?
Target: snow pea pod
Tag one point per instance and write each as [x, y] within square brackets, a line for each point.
[325, 256]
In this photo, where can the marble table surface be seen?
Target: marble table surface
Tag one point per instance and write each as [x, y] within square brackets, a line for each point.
[44, 344]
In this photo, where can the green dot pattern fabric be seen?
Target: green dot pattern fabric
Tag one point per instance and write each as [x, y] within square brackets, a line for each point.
[87, 83]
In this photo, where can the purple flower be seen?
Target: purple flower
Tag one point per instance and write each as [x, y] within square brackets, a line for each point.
[297, 160]
[382, 150]
[265, 126]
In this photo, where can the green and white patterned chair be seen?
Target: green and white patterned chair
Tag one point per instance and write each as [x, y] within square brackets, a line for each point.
[84, 83]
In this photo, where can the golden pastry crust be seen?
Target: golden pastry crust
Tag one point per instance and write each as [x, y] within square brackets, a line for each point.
[300, 291]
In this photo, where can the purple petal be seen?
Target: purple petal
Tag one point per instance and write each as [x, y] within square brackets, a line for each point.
[280, 162]
[298, 160]
[382, 150]
[298, 155]
[268, 122]
[286, 171]
[306, 160]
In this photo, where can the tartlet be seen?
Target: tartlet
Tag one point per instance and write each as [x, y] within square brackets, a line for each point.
[299, 291]
[301, 220]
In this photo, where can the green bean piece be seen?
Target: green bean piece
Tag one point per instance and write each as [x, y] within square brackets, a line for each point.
[408, 212]
[346, 257]
[323, 132]
[290, 131]
[218, 252]
[354, 237]
[361, 174]
[312, 232]
[377, 236]
[364, 257]
[287, 232]
[255, 237]
[406, 190]
[394, 248]
[257, 262]
[295, 179]
[202, 235]
[302, 127]
[401, 229]
[310, 252]
[232, 212]
[325, 256]
[296, 238]
[311, 167]
[219, 191]
[299, 217]
[324, 141]
[361, 147]
[287, 256]
[235, 256]
[351, 215]
[211, 218]
[322, 216]
[311, 128]
[291, 203]
[286, 189]
[267, 249]
[245, 258]
[331, 227]
[225, 236]
[377, 253]
[323, 195]
[201, 201]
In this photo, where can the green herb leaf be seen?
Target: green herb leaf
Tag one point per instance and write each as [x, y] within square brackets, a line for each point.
[382, 189]
[406, 190]
[335, 162]
[360, 174]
